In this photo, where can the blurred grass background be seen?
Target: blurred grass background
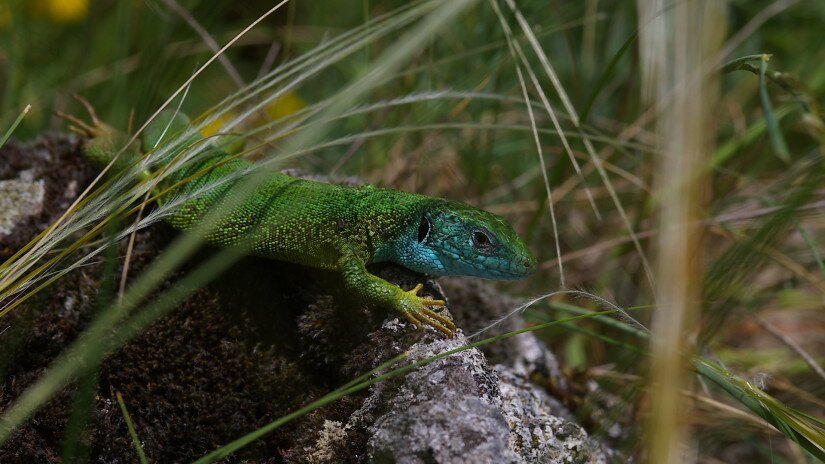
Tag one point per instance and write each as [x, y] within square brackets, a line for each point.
[763, 278]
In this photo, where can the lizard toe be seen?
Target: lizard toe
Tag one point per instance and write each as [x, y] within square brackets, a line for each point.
[434, 316]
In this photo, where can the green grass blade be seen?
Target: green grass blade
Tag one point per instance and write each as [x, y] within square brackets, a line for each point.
[14, 125]
[802, 428]
[75, 442]
[78, 427]
[741, 64]
[812, 247]
[604, 78]
[774, 132]
[540, 317]
[730, 148]
[130, 425]
[609, 321]
[809, 434]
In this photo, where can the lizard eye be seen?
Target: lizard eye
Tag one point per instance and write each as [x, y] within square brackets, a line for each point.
[481, 239]
[423, 229]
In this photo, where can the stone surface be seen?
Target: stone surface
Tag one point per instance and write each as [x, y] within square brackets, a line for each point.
[19, 200]
[458, 409]
[38, 181]
[447, 411]
[540, 431]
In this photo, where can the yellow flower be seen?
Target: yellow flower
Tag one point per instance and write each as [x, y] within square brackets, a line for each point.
[5, 15]
[285, 105]
[215, 126]
[229, 143]
[61, 11]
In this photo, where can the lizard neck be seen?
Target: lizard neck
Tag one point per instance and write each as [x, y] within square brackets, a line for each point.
[406, 250]
[406, 243]
[394, 218]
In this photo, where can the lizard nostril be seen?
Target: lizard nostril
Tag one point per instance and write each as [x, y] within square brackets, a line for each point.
[527, 263]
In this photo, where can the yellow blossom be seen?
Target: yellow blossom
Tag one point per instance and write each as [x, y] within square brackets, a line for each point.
[285, 105]
[215, 126]
[61, 11]
[5, 15]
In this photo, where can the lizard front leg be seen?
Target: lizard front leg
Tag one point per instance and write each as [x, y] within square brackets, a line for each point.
[375, 289]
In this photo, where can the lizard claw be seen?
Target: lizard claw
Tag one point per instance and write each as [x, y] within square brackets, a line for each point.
[415, 309]
[79, 126]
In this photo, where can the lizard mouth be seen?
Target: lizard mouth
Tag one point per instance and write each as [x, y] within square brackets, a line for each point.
[530, 264]
[520, 268]
[515, 269]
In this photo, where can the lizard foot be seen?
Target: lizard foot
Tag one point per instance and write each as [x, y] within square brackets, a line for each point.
[415, 309]
[78, 126]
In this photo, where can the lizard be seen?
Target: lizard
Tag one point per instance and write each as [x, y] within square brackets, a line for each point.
[328, 226]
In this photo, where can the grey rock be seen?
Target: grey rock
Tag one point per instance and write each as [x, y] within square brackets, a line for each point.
[458, 409]
[19, 199]
[538, 432]
[447, 411]
[478, 307]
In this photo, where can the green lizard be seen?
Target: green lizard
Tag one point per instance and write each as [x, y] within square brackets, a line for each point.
[340, 228]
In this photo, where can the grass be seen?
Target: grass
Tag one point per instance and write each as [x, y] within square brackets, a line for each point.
[14, 125]
[130, 425]
[458, 89]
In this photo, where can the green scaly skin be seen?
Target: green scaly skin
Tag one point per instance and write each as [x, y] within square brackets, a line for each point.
[338, 228]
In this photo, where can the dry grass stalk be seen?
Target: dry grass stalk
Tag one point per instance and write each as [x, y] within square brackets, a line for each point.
[692, 33]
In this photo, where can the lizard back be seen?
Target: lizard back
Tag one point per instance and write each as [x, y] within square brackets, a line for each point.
[292, 219]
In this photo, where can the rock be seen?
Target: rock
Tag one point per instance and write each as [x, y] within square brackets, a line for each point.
[38, 182]
[19, 200]
[447, 411]
[478, 307]
[540, 429]
[458, 409]
[260, 342]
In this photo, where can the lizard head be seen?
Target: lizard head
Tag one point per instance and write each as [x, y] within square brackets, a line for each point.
[452, 238]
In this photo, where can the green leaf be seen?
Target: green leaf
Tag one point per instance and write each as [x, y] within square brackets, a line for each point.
[774, 132]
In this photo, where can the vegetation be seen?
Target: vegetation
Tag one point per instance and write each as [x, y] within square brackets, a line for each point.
[664, 161]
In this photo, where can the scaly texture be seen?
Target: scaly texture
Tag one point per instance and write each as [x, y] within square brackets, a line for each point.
[337, 227]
